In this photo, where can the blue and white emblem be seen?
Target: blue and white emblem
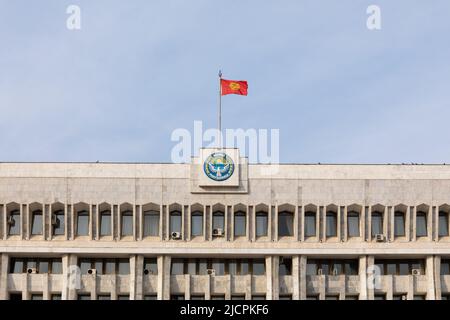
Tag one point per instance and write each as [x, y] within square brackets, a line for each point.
[218, 166]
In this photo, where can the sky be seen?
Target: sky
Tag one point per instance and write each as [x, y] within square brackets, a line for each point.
[137, 70]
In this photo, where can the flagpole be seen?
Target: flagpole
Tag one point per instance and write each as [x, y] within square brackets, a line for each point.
[220, 110]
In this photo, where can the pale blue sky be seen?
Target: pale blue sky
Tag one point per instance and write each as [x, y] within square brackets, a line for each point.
[115, 90]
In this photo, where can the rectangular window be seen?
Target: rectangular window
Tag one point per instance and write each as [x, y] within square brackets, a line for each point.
[259, 267]
[197, 223]
[445, 267]
[377, 223]
[331, 225]
[150, 297]
[400, 267]
[105, 223]
[58, 223]
[150, 266]
[261, 224]
[421, 224]
[353, 224]
[82, 223]
[110, 266]
[123, 297]
[197, 297]
[151, 223]
[104, 297]
[57, 266]
[310, 224]
[218, 220]
[399, 224]
[36, 296]
[219, 267]
[175, 221]
[124, 266]
[177, 267]
[311, 268]
[239, 224]
[443, 224]
[285, 224]
[56, 296]
[36, 223]
[14, 223]
[127, 223]
[285, 266]
[84, 297]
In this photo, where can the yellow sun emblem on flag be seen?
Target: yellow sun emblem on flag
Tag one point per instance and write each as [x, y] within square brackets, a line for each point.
[235, 86]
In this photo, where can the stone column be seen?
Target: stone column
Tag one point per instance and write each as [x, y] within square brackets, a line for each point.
[269, 284]
[295, 278]
[437, 277]
[302, 270]
[132, 278]
[364, 293]
[4, 266]
[139, 276]
[429, 271]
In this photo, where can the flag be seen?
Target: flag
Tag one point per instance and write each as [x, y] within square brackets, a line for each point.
[233, 87]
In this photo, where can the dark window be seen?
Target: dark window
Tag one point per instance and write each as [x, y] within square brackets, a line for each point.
[445, 267]
[150, 297]
[36, 296]
[175, 221]
[150, 266]
[105, 223]
[331, 267]
[353, 224]
[14, 223]
[151, 223]
[239, 224]
[421, 224]
[35, 265]
[380, 297]
[331, 226]
[310, 224]
[17, 266]
[218, 297]
[104, 297]
[105, 266]
[285, 297]
[82, 223]
[124, 266]
[84, 297]
[261, 224]
[400, 267]
[443, 224]
[219, 267]
[285, 266]
[259, 267]
[399, 224]
[127, 223]
[377, 223]
[177, 267]
[218, 220]
[36, 223]
[285, 224]
[197, 223]
[258, 297]
[58, 223]
[177, 297]
[56, 296]
[15, 296]
[123, 297]
[197, 297]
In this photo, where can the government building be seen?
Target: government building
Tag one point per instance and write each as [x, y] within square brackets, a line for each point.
[220, 228]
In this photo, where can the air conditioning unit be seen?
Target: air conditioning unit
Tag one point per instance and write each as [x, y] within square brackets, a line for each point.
[11, 221]
[218, 232]
[211, 272]
[31, 270]
[319, 272]
[54, 220]
[92, 271]
[146, 271]
[404, 297]
[175, 235]
[415, 272]
[380, 238]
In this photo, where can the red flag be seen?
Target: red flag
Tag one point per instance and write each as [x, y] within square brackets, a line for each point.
[233, 87]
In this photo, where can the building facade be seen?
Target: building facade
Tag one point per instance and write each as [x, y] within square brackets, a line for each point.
[156, 231]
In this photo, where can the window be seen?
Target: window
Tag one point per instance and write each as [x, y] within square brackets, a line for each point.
[84, 297]
[219, 267]
[310, 224]
[285, 224]
[445, 267]
[150, 297]
[237, 297]
[36, 223]
[177, 297]
[37, 265]
[56, 296]
[218, 220]
[103, 297]
[197, 223]
[151, 223]
[380, 297]
[285, 297]
[82, 223]
[127, 223]
[419, 297]
[400, 267]
[377, 223]
[105, 223]
[261, 224]
[258, 267]
[443, 224]
[285, 266]
[258, 297]
[124, 266]
[105, 266]
[332, 267]
[58, 223]
[197, 297]
[15, 296]
[331, 224]
[36, 296]
[14, 223]
[175, 221]
[399, 297]
[421, 224]
[177, 267]
[399, 224]
[218, 297]
[353, 224]
[239, 224]
[150, 266]
[331, 297]
[123, 297]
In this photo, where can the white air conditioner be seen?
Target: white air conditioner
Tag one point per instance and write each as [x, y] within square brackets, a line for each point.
[319, 272]
[11, 221]
[404, 297]
[31, 270]
[380, 238]
[146, 271]
[175, 235]
[211, 272]
[92, 271]
[415, 272]
[218, 232]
